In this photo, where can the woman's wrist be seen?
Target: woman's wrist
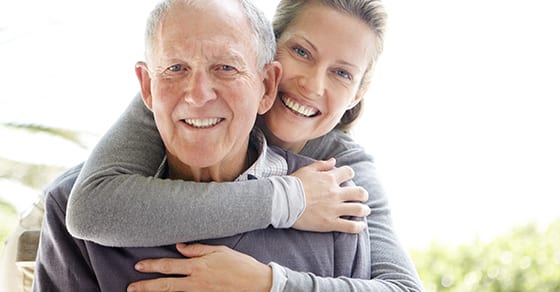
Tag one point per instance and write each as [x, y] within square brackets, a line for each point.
[278, 277]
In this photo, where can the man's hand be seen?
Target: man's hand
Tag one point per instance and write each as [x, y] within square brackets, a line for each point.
[326, 201]
[208, 268]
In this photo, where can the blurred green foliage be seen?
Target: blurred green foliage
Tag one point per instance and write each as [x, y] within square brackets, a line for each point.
[8, 220]
[525, 260]
[76, 137]
[33, 175]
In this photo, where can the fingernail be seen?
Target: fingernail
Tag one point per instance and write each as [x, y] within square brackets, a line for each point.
[139, 266]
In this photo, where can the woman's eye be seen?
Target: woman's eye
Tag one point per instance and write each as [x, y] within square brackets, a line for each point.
[344, 74]
[300, 51]
[175, 68]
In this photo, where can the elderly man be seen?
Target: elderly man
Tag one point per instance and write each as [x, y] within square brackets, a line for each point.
[205, 81]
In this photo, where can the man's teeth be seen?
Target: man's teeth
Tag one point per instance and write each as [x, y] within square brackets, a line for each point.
[203, 123]
[298, 108]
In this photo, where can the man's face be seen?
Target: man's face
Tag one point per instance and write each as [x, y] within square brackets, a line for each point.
[204, 88]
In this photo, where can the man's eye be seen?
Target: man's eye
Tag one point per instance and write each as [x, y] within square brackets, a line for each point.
[300, 51]
[175, 68]
[227, 68]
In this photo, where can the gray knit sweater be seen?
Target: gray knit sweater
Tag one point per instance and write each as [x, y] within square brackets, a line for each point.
[122, 167]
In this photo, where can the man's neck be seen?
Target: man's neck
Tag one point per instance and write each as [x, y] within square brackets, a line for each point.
[225, 171]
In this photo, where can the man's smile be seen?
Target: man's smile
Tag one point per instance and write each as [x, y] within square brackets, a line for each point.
[203, 123]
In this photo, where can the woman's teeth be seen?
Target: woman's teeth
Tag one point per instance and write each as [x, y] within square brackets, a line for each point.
[298, 108]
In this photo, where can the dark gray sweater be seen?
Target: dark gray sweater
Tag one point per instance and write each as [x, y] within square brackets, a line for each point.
[65, 263]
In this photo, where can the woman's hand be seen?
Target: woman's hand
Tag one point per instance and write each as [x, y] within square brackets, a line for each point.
[326, 201]
[207, 268]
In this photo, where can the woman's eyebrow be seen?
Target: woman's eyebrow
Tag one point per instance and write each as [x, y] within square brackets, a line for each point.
[348, 64]
[308, 42]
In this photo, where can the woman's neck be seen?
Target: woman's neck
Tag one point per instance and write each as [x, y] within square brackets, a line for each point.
[271, 139]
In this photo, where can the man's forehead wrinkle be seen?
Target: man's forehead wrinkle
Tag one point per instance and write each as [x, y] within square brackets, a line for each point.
[228, 54]
[206, 50]
[229, 44]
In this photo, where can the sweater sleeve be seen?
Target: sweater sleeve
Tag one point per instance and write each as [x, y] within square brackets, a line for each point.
[302, 282]
[117, 201]
[391, 267]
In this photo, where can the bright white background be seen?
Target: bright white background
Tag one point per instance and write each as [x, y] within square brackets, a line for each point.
[462, 116]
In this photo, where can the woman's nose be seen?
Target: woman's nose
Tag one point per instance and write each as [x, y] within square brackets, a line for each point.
[312, 84]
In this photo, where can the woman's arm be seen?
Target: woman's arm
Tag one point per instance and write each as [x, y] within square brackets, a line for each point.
[390, 263]
[117, 201]
[391, 267]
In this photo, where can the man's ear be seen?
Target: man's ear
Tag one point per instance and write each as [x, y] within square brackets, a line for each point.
[143, 75]
[272, 76]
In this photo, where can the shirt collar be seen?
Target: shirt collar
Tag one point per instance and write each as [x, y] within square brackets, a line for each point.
[268, 163]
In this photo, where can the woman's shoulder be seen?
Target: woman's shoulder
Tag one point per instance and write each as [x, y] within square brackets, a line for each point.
[332, 144]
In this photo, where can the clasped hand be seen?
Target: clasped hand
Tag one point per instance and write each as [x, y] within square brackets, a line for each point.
[327, 202]
[206, 268]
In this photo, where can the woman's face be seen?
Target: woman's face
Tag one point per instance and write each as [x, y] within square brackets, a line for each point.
[324, 55]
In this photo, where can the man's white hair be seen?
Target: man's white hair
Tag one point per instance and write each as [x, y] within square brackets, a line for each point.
[263, 35]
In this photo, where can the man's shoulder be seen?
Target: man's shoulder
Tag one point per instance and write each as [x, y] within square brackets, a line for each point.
[61, 187]
[294, 160]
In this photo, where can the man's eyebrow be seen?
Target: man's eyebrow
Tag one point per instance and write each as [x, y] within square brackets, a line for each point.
[231, 56]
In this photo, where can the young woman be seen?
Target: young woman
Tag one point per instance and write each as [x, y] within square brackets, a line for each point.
[328, 49]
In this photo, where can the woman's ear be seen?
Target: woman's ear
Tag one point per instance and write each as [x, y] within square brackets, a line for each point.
[359, 96]
[272, 76]
[143, 75]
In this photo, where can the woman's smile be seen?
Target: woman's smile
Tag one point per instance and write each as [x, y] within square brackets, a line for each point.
[298, 108]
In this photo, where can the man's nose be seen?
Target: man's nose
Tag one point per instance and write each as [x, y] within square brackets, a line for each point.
[199, 90]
